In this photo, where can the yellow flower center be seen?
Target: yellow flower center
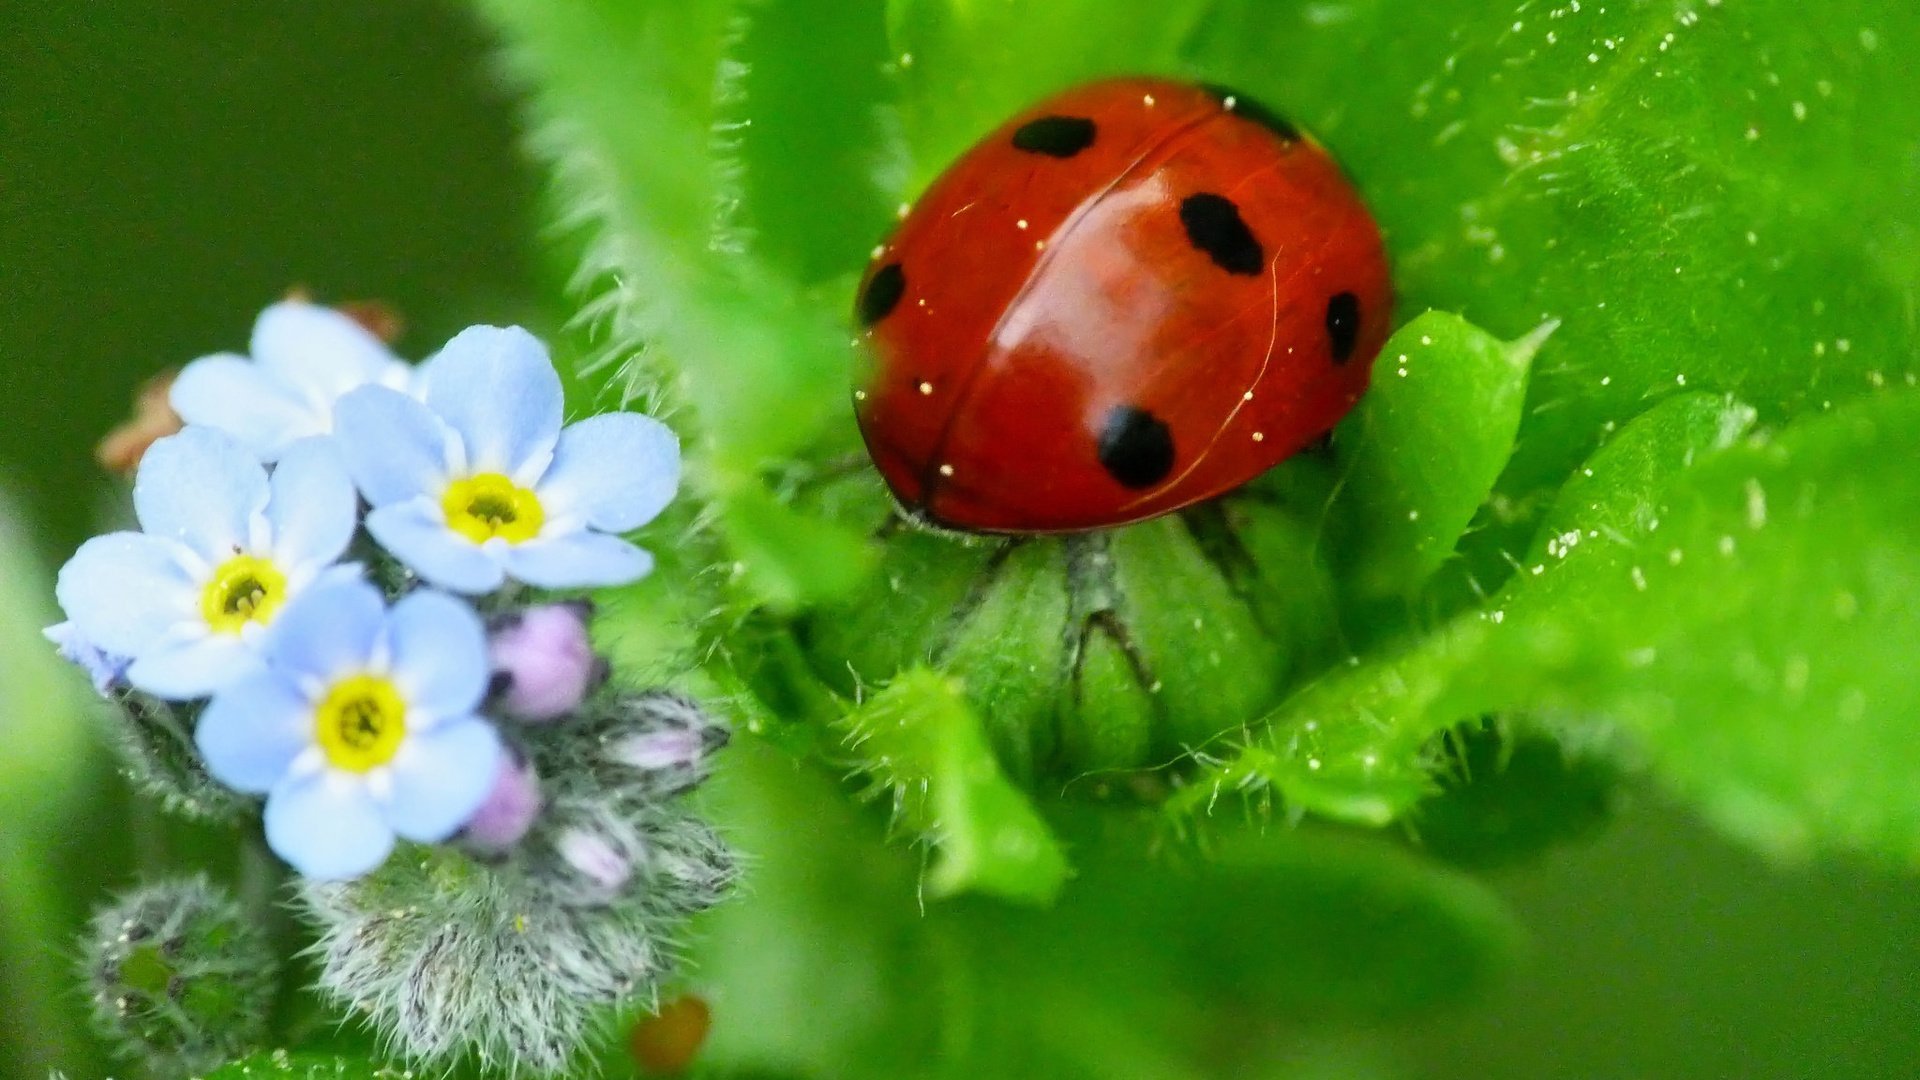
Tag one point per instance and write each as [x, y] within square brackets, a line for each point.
[360, 723]
[244, 589]
[487, 505]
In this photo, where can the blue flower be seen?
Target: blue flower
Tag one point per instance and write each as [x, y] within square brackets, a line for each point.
[477, 482]
[224, 548]
[360, 726]
[304, 358]
[107, 671]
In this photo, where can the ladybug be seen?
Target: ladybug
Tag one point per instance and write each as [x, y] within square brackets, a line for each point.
[1134, 296]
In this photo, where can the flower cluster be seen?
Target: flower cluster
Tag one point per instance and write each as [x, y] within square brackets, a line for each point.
[315, 552]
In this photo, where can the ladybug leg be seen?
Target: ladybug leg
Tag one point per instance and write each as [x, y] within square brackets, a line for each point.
[1093, 607]
[1213, 532]
[1107, 621]
[976, 595]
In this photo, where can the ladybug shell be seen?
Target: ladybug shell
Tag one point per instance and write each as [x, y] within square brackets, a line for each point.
[1134, 296]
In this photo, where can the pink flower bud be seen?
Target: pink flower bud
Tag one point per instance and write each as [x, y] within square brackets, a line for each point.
[508, 810]
[596, 860]
[544, 663]
[668, 748]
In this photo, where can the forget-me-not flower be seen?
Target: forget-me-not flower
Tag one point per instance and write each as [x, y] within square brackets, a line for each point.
[106, 671]
[477, 482]
[305, 357]
[360, 726]
[223, 549]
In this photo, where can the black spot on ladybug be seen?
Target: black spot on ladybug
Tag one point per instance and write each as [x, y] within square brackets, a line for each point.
[1136, 447]
[1343, 325]
[1214, 226]
[1242, 105]
[1055, 136]
[883, 292]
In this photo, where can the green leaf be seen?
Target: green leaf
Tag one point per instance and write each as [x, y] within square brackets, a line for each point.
[1510, 790]
[1615, 497]
[1758, 643]
[626, 98]
[789, 558]
[1747, 626]
[1708, 195]
[899, 615]
[1132, 973]
[627, 103]
[823, 931]
[966, 65]
[1358, 745]
[927, 743]
[805, 106]
[1424, 446]
[648, 629]
[1334, 927]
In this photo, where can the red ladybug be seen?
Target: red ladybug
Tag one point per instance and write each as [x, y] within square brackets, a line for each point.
[1134, 296]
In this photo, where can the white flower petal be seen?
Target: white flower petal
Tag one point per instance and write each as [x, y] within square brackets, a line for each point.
[196, 667]
[125, 591]
[394, 447]
[318, 351]
[416, 533]
[439, 653]
[252, 731]
[202, 489]
[230, 393]
[618, 471]
[327, 826]
[498, 389]
[577, 561]
[314, 509]
[440, 777]
[327, 631]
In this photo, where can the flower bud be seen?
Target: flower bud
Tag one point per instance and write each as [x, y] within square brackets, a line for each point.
[544, 662]
[1094, 652]
[671, 748]
[595, 860]
[664, 737]
[179, 979]
[509, 810]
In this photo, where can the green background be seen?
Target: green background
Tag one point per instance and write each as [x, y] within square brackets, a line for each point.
[165, 170]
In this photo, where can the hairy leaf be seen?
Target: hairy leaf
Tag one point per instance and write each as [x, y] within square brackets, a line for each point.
[1424, 447]
[932, 752]
[762, 363]
[1758, 642]
[1707, 195]
[1741, 623]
